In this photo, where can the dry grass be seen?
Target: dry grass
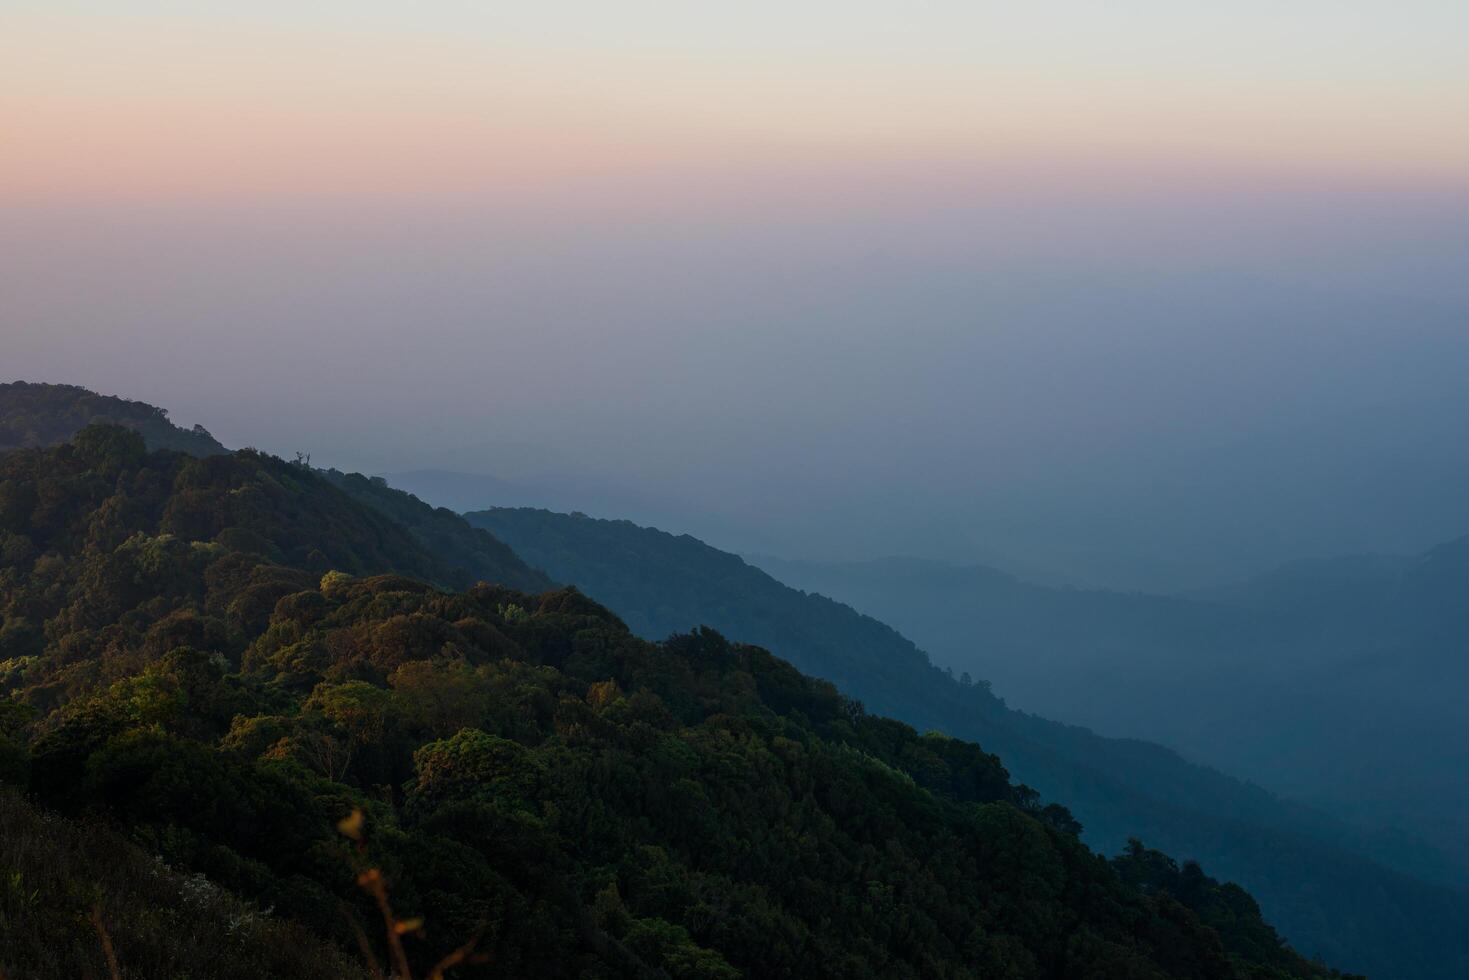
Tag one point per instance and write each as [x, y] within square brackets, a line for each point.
[79, 901]
[371, 880]
[114, 970]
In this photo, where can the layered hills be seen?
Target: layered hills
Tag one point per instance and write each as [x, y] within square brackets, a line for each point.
[261, 679]
[1352, 895]
[1333, 681]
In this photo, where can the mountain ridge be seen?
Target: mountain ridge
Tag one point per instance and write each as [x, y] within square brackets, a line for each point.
[521, 766]
[653, 579]
[1313, 678]
[1032, 742]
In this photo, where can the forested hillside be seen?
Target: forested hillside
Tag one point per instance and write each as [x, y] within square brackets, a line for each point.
[250, 675]
[48, 414]
[44, 414]
[1320, 880]
[473, 553]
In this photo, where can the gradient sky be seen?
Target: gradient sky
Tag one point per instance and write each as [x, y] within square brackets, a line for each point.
[1149, 292]
[313, 98]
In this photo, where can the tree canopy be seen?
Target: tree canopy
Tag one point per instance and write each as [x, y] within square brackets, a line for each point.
[226, 659]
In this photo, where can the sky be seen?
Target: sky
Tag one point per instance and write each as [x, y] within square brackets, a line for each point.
[1144, 294]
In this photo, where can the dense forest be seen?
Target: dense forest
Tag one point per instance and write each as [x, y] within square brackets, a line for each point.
[34, 415]
[1375, 903]
[473, 554]
[257, 679]
[193, 669]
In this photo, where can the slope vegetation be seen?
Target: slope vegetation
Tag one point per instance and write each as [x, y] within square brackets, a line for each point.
[33, 415]
[71, 883]
[520, 770]
[1314, 876]
[38, 415]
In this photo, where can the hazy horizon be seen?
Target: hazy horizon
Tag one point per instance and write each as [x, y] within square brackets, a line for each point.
[1056, 411]
[1145, 297]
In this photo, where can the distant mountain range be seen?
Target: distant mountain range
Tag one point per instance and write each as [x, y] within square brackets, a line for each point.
[559, 491]
[1319, 679]
[1359, 898]
[1323, 880]
[247, 727]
